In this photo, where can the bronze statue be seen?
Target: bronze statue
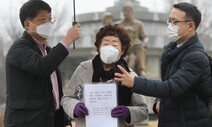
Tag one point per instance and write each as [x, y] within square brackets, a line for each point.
[136, 57]
[107, 18]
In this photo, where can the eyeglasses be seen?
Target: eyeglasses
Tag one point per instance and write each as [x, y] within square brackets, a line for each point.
[175, 22]
[44, 20]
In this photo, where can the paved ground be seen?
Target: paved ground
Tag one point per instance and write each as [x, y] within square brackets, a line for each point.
[152, 123]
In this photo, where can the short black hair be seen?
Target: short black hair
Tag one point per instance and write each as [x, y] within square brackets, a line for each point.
[191, 11]
[113, 30]
[31, 8]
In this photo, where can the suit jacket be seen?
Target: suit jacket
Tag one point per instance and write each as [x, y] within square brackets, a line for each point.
[83, 74]
[30, 101]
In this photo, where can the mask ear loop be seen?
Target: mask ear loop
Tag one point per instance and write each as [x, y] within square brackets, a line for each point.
[185, 32]
[25, 28]
[190, 26]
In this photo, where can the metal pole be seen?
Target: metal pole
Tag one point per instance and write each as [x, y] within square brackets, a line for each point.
[74, 22]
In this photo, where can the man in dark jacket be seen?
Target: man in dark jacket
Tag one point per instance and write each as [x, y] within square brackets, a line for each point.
[34, 87]
[186, 77]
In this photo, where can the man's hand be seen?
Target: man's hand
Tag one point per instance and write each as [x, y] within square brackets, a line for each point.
[126, 79]
[72, 35]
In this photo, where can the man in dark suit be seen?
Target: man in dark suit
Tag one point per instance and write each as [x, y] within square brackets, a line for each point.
[34, 87]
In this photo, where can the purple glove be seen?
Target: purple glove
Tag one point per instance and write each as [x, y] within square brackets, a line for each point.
[80, 110]
[121, 111]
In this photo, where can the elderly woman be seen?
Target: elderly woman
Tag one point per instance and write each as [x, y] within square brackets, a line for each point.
[112, 43]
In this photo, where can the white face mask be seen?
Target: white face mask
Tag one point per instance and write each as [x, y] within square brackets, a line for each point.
[172, 32]
[45, 30]
[109, 54]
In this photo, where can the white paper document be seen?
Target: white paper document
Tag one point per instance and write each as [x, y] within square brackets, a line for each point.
[100, 99]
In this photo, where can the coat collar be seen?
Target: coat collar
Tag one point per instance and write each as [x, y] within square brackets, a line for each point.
[172, 51]
[28, 37]
[32, 42]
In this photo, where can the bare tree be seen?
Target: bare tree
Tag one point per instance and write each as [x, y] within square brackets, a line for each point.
[169, 3]
[62, 12]
[2, 73]
[206, 23]
[11, 23]
[11, 31]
